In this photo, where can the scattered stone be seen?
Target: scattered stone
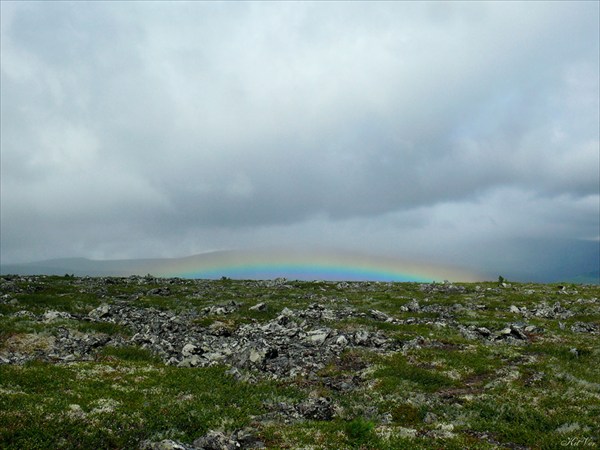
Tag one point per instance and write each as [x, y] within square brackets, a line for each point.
[361, 337]
[317, 336]
[51, 316]
[511, 332]
[221, 310]
[165, 444]
[216, 440]
[25, 314]
[191, 361]
[100, 312]
[379, 315]
[188, 350]
[320, 408]
[259, 307]
[585, 327]
[483, 331]
[161, 291]
[341, 340]
[287, 312]
[557, 311]
[412, 306]
[219, 328]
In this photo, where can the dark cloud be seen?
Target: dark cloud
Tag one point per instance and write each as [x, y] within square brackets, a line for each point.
[154, 129]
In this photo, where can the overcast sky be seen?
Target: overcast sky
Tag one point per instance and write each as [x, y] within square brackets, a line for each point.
[461, 133]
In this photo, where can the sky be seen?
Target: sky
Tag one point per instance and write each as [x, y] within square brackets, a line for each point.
[465, 134]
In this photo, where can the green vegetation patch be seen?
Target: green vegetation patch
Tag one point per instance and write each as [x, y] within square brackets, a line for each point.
[91, 405]
[396, 373]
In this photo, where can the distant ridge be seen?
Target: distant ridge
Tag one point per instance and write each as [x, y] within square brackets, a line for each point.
[80, 267]
[256, 264]
[307, 265]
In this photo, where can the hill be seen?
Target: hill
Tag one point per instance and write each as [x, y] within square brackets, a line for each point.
[171, 363]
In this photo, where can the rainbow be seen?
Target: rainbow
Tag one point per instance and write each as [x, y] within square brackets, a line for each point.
[304, 265]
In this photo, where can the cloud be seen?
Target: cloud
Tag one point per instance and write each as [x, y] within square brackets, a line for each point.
[143, 129]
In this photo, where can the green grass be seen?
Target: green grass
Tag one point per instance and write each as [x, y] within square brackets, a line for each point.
[396, 372]
[145, 400]
[451, 392]
[131, 353]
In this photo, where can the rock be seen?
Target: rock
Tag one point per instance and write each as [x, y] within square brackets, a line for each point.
[192, 361]
[341, 340]
[552, 312]
[259, 307]
[585, 327]
[25, 314]
[516, 331]
[165, 444]
[483, 331]
[51, 316]
[251, 357]
[287, 312]
[379, 315]
[216, 440]
[294, 344]
[412, 306]
[246, 439]
[361, 337]
[188, 350]
[317, 336]
[161, 291]
[214, 356]
[100, 312]
[219, 328]
[320, 408]
[511, 332]
[221, 310]
[514, 309]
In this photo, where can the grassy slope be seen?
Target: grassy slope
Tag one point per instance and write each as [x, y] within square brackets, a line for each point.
[459, 393]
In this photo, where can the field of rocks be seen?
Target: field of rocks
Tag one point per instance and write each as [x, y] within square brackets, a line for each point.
[151, 363]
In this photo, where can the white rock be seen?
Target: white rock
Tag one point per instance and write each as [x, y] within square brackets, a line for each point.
[188, 350]
[259, 307]
[317, 336]
[50, 316]
[100, 311]
[287, 312]
[256, 355]
[192, 361]
[361, 337]
[341, 340]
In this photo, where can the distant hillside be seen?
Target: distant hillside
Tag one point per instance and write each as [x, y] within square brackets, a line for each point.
[303, 266]
[326, 265]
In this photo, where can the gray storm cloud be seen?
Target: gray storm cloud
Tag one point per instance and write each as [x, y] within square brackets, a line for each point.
[417, 129]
